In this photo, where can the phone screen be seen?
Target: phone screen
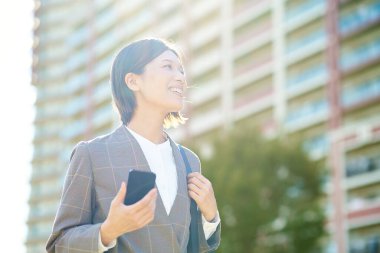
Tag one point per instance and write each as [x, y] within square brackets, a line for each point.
[139, 184]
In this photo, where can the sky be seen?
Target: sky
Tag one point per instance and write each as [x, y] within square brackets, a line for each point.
[16, 125]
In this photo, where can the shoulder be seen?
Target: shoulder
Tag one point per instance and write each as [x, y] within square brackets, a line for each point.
[96, 145]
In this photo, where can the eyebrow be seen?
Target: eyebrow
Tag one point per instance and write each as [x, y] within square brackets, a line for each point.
[167, 60]
[180, 64]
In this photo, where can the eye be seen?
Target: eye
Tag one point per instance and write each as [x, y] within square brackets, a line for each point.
[168, 66]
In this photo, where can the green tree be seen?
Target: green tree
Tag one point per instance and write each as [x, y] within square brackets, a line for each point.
[269, 194]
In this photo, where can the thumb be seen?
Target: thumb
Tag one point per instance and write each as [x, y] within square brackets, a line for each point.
[120, 196]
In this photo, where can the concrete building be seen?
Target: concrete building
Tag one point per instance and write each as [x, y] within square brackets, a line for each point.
[306, 68]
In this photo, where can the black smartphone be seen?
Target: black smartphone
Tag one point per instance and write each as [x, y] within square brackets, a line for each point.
[139, 184]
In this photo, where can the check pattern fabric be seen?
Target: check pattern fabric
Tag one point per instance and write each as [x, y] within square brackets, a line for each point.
[94, 176]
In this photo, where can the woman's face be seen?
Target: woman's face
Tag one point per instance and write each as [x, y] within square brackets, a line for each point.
[163, 83]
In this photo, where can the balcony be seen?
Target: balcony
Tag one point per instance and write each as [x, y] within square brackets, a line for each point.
[364, 176]
[306, 46]
[138, 22]
[367, 244]
[166, 6]
[307, 79]
[318, 80]
[363, 15]
[205, 92]
[260, 72]
[307, 115]
[249, 7]
[78, 59]
[362, 165]
[76, 82]
[252, 65]
[74, 106]
[202, 8]
[52, 35]
[249, 11]
[206, 121]
[205, 62]
[50, 111]
[359, 55]
[52, 54]
[253, 103]
[204, 34]
[78, 37]
[107, 42]
[102, 93]
[171, 25]
[74, 129]
[42, 152]
[252, 97]
[44, 133]
[304, 13]
[363, 92]
[363, 211]
[103, 116]
[252, 39]
[105, 18]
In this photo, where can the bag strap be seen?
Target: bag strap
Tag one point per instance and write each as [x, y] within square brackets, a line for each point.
[193, 245]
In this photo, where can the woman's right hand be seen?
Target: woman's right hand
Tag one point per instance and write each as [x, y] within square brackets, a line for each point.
[122, 218]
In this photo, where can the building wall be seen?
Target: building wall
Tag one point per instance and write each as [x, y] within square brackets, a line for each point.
[309, 69]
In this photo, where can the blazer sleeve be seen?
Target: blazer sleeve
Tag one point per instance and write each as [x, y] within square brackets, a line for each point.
[73, 230]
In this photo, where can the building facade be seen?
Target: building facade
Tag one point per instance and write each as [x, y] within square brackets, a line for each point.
[305, 68]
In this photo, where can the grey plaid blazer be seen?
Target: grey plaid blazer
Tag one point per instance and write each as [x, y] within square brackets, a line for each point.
[95, 173]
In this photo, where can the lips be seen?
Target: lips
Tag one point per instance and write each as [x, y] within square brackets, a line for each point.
[177, 90]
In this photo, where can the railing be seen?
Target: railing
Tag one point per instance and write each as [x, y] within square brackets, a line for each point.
[370, 244]
[74, 106]
[309, 39]
[74, 129]
[306, 112]
[315, 71]
[361, 165]
[359, 16]
[302, 9]
[360, 54]
[362, 92]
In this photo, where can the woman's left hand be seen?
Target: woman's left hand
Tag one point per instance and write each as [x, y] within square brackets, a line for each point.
[200, 189]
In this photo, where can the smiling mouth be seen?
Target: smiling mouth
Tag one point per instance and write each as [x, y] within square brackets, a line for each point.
[177, 91]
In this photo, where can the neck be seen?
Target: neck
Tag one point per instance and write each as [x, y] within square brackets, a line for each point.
[149, 125]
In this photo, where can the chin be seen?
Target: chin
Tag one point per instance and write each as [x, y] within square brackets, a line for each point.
[175, 107]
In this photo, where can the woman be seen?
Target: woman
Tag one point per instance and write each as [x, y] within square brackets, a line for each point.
[148, 85]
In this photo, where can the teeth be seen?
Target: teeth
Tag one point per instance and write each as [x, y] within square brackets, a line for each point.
[178, 90]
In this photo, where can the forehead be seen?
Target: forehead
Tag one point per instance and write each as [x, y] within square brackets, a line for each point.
[168, 55]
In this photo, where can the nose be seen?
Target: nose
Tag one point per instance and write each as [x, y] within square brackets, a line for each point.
[180, 77]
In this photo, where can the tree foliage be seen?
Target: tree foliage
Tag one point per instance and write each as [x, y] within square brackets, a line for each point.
[268, 192]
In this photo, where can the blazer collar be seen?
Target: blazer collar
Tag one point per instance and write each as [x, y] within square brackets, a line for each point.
[125, 136]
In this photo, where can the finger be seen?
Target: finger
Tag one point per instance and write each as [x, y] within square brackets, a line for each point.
[197, 182]
[199, 176]
[144, 213]
[150, 209]
[147, 218]
[194, 188]
[120, 196]
[194, 196]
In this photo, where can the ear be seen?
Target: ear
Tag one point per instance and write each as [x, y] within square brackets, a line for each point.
[130, 81]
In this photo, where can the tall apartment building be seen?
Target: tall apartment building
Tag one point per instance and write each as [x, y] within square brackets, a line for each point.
[306, 68]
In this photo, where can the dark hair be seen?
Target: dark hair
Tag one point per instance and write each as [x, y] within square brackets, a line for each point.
[132, 59]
